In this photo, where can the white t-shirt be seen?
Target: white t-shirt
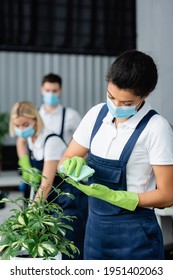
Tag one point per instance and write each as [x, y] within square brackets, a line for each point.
[52, 150]
[53, 121]
[153, 147]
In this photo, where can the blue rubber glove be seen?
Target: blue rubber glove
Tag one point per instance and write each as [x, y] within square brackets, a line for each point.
[123, 199]
[74, 165]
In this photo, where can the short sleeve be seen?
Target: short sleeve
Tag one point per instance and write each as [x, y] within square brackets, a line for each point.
[82, 134]
[160, 142]
[54, 148]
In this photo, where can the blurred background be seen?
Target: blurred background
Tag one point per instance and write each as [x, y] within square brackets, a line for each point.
[79, 39]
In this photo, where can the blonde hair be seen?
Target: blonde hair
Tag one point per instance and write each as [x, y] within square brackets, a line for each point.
[25, 109]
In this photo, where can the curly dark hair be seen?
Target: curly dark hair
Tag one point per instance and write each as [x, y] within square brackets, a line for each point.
[135, 71]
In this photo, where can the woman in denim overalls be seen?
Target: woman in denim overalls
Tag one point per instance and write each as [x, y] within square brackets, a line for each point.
[44, 152]
[130, 147]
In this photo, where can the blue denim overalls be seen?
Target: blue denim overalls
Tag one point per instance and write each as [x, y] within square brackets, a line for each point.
[112, 232]
[77, 207]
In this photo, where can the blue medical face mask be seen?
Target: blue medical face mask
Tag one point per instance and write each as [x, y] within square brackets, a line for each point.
[121, 112]
[51, 99]
[24, 133]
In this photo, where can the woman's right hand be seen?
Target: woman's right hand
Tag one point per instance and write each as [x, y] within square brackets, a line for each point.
[74, 164]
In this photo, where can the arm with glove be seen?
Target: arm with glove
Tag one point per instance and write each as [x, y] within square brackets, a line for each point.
[24, 161]
[41, 185]
[123, 199]
[31, 176]
[73, 168]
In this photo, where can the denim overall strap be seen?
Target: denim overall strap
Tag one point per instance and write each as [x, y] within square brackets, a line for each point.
[140, 127]
[39, 163]
[112, 173]
[53, 134]
[133, 139]
[62, 125]
[114, 233]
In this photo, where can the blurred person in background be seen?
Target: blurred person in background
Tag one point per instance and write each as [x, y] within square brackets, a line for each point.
[43, 149]
[61, 120]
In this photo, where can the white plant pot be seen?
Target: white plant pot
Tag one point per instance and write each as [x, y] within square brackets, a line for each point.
[23, 255]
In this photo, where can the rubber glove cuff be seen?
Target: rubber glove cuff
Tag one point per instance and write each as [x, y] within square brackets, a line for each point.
[24, 162]
[124, 199]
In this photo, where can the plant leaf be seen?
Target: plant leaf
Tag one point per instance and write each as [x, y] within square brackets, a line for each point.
[21, 220]
[50, 247]
[5, 200]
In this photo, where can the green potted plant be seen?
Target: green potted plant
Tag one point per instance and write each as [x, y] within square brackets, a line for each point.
[33, 230]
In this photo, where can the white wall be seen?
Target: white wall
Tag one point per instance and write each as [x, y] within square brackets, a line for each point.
[155, 36]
